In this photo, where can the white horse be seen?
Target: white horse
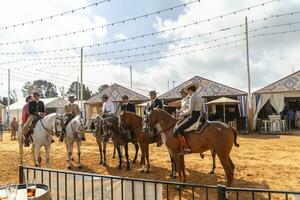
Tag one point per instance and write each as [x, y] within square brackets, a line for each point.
[42, 136]
[74, 134]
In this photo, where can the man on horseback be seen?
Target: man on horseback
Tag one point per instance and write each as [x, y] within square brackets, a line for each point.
[192, 115]
[155, 103]
[36, 111]
[127, 105]
[71, 111]
[108, 108]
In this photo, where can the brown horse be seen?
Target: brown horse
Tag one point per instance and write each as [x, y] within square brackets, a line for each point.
[132, 121]
[216, 136]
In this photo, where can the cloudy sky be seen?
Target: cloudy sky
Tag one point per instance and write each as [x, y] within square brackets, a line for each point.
[220, 56]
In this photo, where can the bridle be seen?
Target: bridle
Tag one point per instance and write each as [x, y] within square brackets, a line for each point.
[55, 126]
[165, 130]
[75, 132]
[136, 126]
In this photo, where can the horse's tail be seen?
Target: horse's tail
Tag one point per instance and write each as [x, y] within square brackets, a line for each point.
[235, 134]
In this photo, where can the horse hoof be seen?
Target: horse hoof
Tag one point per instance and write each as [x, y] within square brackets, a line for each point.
[79, 167]
[72, 159]
[119, 167]
[212, 172]
[114, 157]
[133, 162]
[142, 171]
[36, 165]
[100, 163]
[69, 167]
[128, 168]
[104, 164]
[179, 187]
[147, 171]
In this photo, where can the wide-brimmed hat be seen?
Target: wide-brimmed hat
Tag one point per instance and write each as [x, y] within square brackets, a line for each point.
[182, 91]
[191, 85]
[125, 96]
[72, 97]
[35, 94]
[153, 92]
[104, 96]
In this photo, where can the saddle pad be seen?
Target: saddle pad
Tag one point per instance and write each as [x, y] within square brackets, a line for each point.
[194, 127]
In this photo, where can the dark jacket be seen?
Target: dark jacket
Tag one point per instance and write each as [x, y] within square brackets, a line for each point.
[157, 103]
[36, 107]
[130, 107]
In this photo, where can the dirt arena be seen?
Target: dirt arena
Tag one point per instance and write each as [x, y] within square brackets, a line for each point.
[261, 162]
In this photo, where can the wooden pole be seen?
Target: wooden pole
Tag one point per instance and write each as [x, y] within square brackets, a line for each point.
[8, 99]
[81, 85]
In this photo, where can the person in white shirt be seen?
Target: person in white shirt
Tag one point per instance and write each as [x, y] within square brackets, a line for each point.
[108, 107]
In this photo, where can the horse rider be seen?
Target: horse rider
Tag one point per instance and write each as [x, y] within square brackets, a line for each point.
[71, 111]
[155, 103]
[108, 108]
[185, 101]
[25, 110]
[36, 111]
[193, 114]
[127, 105]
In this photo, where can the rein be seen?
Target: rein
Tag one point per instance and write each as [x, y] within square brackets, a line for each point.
[49, 131]
[163, 131]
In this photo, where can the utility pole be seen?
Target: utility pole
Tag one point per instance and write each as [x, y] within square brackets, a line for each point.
[249, 106]
[173, 82]
[168, 85]
[81, 89]
[8, 98]
[131, 77]
[78, 85]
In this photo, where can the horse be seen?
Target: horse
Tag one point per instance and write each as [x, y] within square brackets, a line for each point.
[133, 121]
[45, 128]
[216, 136]
[74, 132]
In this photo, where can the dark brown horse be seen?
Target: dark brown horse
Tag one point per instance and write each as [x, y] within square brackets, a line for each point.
[216, 136]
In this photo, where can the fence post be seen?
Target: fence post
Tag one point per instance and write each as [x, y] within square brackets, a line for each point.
[21, 174]
[221, 192]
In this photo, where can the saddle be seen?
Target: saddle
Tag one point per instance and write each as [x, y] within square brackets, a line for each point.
[33, 124]
[198, 126]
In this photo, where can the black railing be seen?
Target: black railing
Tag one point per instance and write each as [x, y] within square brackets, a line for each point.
[71, 185]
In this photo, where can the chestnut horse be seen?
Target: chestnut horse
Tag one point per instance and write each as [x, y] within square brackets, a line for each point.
[133, 121]
[216, 136]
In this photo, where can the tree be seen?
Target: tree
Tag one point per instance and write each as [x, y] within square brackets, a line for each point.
[63, 92]
[13, 98]
[75, 89]
[102, 88]
[45, 88]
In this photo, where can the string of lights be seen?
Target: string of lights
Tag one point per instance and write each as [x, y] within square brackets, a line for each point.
[98, 27]
[181, 53]
[174, 49]
[43, 19]
[134, 37]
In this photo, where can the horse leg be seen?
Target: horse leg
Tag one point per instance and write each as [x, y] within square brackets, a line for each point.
[33, 154]
[173, 167]
[100, 152]
[79, 154]
[143, 148]
[136, 145]
[114, 154]
[69, 154]
[225, 161]
[39, 157]
[178, 166]
[182, 168]
[120, 156]
[20, 140]
[232, 168]
[213, 155]
[48, 155]
[147, 158]
[127, 157]
[104, 153]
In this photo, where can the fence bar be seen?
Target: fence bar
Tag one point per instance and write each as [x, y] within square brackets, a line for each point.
[206, 193]
[179, 191]
[74, 185]
[57, 185]
[66, 186]
[269, 195]
[221, 192]
[167, 191]
[193, 193]
[34, 175]
[49, 174]
[286, 196]
[102, 196]
[144, 192]
[112, 188]
[122, 189]
[92, 188]
[132, 186]
[253, 195]
[83, 189]
[237, 195]
[21, 174]
[155, 191]
[42, 174]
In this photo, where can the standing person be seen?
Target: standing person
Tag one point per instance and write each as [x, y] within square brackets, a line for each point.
[127, 105]
[155, 103]
[193, 113]
[108, 108]
[25, 111]
[14, 125]
[36, 110]
[71, 111]
[291, 115]
[1, 130]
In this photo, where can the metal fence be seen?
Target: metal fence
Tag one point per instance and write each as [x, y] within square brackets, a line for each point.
[70, 185]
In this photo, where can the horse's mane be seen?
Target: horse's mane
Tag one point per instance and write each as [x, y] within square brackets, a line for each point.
[165, 112]
[132, 113]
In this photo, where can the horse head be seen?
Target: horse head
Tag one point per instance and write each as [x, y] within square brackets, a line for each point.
[153, 117]
[58, 124]
[77, 126]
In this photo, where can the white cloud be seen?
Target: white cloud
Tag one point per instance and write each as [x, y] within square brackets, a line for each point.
[121, 36]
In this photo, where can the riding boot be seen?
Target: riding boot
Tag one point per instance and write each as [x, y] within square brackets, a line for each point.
[184, 146]
[52, 141]
[26, 140]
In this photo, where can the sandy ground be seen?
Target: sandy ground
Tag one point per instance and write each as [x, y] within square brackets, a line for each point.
[261, 162]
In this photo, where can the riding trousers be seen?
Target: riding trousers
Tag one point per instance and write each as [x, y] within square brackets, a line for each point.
[189, 121]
